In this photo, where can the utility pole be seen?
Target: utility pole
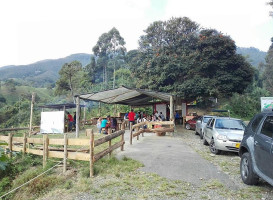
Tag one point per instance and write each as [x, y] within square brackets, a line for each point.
[31, 113]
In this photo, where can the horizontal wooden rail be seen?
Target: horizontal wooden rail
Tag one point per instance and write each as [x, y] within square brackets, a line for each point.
[159, 131]
[108, 137]
[108, 150]
[40, 146]
[17, 129]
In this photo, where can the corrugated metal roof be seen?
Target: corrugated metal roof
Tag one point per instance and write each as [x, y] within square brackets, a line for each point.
[127, 96]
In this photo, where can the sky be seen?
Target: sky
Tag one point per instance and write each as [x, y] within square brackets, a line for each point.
[34, 30]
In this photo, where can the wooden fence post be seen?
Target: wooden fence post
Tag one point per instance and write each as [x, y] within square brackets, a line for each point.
[137, 135]
[24, 143]
[45, 149]
[122, 140]
[10, 145]
[131, 132]
[92, 145]
[110, 141]
[65, 152]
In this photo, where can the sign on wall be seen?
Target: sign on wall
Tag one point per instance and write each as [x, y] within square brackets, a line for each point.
[266, 103]
[52, 122]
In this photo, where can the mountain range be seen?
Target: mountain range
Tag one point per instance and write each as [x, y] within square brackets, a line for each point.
[42, 73]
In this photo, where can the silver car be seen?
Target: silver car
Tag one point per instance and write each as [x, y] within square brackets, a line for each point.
[201, 123]
[223, 134]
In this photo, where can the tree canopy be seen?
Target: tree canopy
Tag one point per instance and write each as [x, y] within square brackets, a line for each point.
[268, 70]
[176, 56]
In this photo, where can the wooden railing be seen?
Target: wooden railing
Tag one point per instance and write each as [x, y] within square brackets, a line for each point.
[159, 131]
[47, 148]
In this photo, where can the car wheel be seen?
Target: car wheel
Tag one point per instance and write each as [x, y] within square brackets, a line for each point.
[205, 141]
[196, 133]
[212, 147]
[188, 127]
[201, 134]
[247, 173]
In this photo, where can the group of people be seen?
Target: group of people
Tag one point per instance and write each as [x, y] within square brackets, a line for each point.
[141, 117]
[104, 124]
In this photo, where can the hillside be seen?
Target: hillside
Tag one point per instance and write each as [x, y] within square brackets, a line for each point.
[43, 72]
[253, 55]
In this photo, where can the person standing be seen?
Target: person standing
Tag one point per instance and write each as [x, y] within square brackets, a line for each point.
[131, 117]
[70, 121]
[99, 124]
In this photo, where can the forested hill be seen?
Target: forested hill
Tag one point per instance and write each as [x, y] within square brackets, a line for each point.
[41, 73]
[253, 55]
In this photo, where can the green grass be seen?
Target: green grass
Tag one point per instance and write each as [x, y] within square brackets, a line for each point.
[13, 96]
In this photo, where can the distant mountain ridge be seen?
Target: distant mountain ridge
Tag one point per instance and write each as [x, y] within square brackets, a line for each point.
[42, 72]
[253, 55]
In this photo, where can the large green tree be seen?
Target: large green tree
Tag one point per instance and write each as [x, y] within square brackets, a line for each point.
[108, 50]
[176, 56]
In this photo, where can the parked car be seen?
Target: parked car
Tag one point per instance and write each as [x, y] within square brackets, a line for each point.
[201, 123]
[224, 134]
[256, 150]
[191, 123]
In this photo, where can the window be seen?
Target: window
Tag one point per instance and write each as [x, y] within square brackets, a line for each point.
[256, 123]
[267, 128]
[211, 123]
[206, 119]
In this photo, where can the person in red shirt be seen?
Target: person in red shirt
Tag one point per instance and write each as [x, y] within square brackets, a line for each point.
[131, 117]
[70, 121]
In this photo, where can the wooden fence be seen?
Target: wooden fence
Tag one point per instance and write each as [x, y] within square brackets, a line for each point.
[59, 148]
[149, 128]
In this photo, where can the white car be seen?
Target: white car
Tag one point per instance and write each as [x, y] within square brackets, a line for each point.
[223, 134]
[201, 123]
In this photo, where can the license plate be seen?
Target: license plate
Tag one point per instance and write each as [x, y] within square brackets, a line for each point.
[237, 145]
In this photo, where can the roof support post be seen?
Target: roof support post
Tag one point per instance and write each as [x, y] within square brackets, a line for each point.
[171, 108]
[77, 116]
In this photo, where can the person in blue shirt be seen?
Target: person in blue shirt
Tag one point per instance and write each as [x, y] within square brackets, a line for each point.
[103, 124]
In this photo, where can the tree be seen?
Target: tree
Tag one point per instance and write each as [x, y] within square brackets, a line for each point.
[109, 46]
[176, 57]
[271, 4]
[69, 78]
[268, 70]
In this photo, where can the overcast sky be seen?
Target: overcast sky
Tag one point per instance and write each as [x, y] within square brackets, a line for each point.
[33, 30]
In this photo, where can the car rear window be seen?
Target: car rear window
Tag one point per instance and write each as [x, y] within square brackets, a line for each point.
[256, 123]
[267, 128]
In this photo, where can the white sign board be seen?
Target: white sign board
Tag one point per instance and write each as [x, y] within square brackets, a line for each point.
[161, 108]
[52, 122]
[266, 103]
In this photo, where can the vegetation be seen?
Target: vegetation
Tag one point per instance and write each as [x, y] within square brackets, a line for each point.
[176, 57]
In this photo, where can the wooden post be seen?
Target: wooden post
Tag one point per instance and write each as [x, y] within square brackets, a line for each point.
[110, 153]
[92, 145]
[24, 143]
[137, 135]
[10, 144]
[77, 116]
[65, 120]
[65, 152]
[131, 133]
[84, 114]
[122, 140]
[99, 109]
[31, 113]
[44, 151]
[171, 108]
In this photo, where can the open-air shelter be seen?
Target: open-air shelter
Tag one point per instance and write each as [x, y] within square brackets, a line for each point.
[126, 96]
